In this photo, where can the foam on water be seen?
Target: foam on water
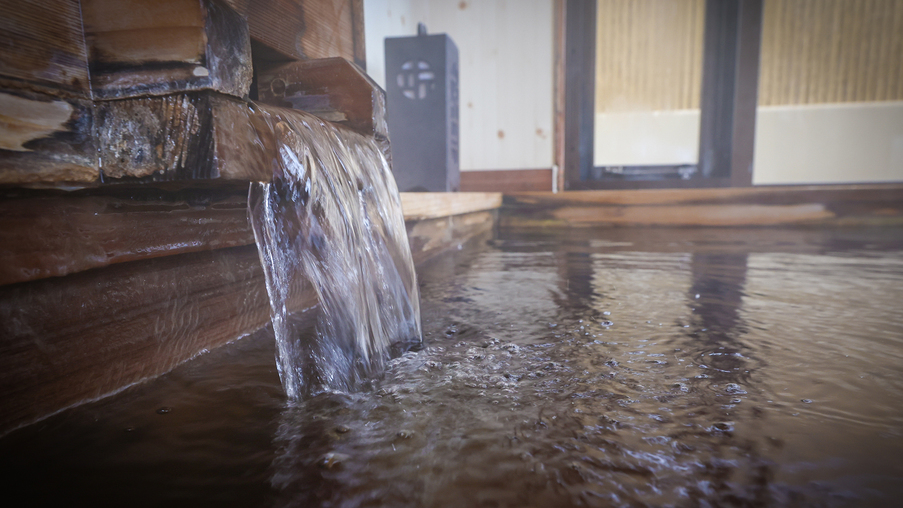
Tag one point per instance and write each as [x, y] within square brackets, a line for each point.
[331, 221]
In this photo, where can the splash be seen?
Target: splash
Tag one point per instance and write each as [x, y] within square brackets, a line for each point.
[330, 222]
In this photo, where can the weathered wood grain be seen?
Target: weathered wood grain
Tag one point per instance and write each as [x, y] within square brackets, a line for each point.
[333, 89]
[154, 47]
[43, 47]
[44, 138]
[757, 206]
[50, 234]
[71, 339]
[296, 29]
[46, 234]
[194, 135]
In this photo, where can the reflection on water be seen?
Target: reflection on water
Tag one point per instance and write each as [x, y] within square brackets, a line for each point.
[616, 368]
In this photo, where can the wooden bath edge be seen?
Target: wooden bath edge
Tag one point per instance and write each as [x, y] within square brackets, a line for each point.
[152, 278]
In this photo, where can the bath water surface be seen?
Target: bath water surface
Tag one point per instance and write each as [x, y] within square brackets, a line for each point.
[644, 367]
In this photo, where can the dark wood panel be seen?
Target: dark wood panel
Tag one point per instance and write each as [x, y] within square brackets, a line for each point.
[755, 206]
[730, 79]
[51, 234]
[44, 46]
[579, 89]
[70, 339]
[518, 180]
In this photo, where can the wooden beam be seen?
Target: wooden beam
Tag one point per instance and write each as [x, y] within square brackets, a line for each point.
[67, 340]
[185, 136]
[579, 74]
[49, 234]
[46, 139]
[431, 205]
[730, 89]
[301, 30]
[155, 47]
[333, 89]
[43, 47]
[358, 33]
[560, 91]
[517, 180]
[755, 206]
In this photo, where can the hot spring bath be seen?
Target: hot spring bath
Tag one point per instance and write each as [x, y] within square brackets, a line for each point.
[619, 367]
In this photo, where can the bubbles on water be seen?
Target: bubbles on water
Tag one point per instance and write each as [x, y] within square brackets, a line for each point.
[333, 460]
[734, 388]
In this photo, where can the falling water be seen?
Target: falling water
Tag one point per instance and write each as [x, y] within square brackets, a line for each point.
[330, 223]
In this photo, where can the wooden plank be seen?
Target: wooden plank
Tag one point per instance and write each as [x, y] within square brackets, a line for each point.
[560, 92]
[812, 205]
[518, 180]
[154, 47]
[51, 234]
[184, 136]
[328, 29]
[333, 89]
[790, 194]
[295, 29]
[430, 205]
[71, 339]
[195, 135]
[43, 47]
[46, 139]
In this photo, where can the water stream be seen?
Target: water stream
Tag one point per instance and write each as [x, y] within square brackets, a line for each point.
[331, 221]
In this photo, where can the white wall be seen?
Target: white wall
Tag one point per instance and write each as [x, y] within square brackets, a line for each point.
[505, 52]
[829, 143]
[810, 144]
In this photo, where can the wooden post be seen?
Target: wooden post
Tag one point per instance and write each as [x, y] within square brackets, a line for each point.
[730, 80]
[579, 73]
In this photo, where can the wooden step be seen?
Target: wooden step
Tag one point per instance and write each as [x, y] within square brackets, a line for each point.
[157, 47]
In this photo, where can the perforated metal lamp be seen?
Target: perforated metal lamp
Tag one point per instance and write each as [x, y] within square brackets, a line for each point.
[422, 105]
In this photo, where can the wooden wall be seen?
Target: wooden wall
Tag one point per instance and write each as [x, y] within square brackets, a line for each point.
[649, 53]
[505, 49]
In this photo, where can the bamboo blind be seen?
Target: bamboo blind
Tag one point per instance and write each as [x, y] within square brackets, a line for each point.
[818, 51]
[649, 53]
